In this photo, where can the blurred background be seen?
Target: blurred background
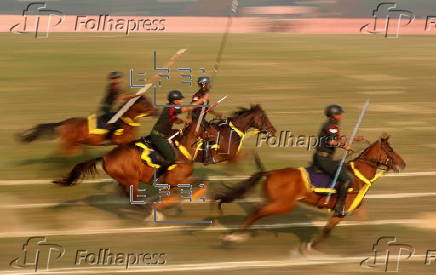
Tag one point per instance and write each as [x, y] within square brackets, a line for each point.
[292, 57]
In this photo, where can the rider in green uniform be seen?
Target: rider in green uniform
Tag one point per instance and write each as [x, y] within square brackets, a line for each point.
[330, 137]
[162, 129]
[114, 93]
[204, 85]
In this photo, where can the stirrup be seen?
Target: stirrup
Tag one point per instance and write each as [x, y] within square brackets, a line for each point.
[341, 213]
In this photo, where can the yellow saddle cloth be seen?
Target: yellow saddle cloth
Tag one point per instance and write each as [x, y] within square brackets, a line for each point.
[94, 130]
[149, 156]
[317, 189]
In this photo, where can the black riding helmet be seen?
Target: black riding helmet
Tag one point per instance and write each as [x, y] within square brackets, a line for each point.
[333, 109]
[175, 95]
[203, 80]
[114, 75]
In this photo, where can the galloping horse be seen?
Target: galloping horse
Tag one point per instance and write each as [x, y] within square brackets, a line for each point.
[229, 135]
[284, 187]
[74, 132]
[124, 163]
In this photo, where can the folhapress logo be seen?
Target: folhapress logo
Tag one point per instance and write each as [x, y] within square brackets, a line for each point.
[388, 254]
[37, 19]
[38, 254]
[385, 16]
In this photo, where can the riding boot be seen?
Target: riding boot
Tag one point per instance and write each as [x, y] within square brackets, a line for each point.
[207, 156]
[112, 127]
[341, 199]
[159, 172]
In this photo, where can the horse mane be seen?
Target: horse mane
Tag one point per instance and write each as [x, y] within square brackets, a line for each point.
[243, 110]
[365, 151]
[141, 98]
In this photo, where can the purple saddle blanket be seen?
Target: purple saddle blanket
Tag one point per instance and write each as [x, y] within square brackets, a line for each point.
[319, 180]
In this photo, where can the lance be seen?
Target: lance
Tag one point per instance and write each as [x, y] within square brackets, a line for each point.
[233, 12]
[147, 86]
[208, 110]
[176, 134]
[349, 142]
[215, 104]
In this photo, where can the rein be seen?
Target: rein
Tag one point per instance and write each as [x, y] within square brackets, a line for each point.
[374, 163]
[365, 188]
[127, 120]
[242, 135]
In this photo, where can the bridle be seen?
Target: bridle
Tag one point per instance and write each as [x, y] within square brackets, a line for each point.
[376, 163]
[147, 105]
[263, 124]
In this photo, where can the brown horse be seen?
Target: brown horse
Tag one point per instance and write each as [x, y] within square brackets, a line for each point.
[74, 132]
[124, 163]
[228, 135]
[284, 187]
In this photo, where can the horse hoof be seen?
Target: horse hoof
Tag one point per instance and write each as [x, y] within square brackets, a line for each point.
[306, 249]
[309, 246]
[234, 238]
[151, 217]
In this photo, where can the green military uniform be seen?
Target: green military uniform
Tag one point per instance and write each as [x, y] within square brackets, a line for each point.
[197, 111]
[323, 157]
[202, 82]
[108, 102]
[161, 131]
[107, 106]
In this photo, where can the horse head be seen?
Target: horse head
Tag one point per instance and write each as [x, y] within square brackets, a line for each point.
[143, 106]
[381, 153]
[256, 118]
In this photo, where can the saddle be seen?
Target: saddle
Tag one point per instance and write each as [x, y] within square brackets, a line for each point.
[150, 154]
[98, 125]
[317, 181]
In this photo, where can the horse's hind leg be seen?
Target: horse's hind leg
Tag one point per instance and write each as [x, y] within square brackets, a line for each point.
[268, 209]
[131, 193]
[123, 190]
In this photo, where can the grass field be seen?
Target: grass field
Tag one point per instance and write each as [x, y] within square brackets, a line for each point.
[292, 76]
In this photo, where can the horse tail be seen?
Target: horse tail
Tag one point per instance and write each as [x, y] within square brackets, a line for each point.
[46, 130]
[79, 171]
[238, 191]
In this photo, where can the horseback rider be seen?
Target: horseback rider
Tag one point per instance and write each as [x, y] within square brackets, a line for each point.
[330, 137]
[204, 85]
[114, 93]
[161, 131]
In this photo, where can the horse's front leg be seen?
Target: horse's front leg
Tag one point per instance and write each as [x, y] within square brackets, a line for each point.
[332, 222]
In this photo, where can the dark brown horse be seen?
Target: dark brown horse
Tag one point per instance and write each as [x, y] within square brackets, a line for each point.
[124, 163]
[75, 132]
[283, 188]
[229, 135]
